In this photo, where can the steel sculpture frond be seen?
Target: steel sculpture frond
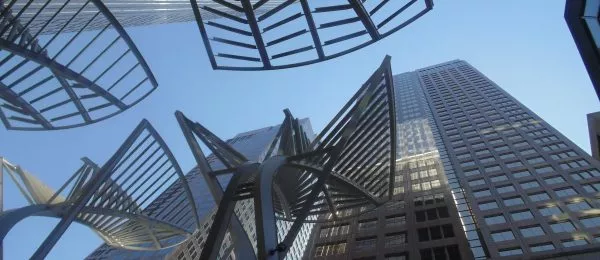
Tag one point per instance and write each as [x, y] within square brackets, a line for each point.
[348, 168]
[86, 71]
[120, 201]
[278, 34]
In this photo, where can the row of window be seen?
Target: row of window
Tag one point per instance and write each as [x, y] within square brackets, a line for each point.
[487, 205]
[552, 180]
[435, 232]
[363, 225]
[537, 230]
[540, 247]
[576, 206]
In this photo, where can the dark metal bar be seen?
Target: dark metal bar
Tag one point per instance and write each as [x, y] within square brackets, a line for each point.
[313, 28]
[253, 23]
[365, 18]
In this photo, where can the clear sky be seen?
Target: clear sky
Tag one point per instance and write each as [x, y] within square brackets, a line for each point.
[524, 46]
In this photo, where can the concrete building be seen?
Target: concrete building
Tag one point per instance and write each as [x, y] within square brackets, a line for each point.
[479, 176]
[252, 144]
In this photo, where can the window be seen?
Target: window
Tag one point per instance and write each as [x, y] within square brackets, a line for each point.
[367, 224]
[365, 243]
[565, 192]
[521, 215]
[494, 168]
[541, 247]
[514, 164]
[510, 251]
[507, 156]
[488, 205]
[585, 174]
[529, 185]
[520, 144]
[498, 178]
[501, 148]
[472, 172]
[467, 164]
[576, 242]
[432, 214]
[395, 239]
[496, 219]
[496, 141]
[487, 160]
[505, 189]
[528, 151]
[532, 231]
[513, 201]
[535, 160]
[482, 152]
[548, 211]
[591, 222]
[539, 196]
[503, 235]
[395, 220]
[482, 193]
[563, 155]
[543, 170]
[579, 206]
[435, 232]
[476, 182]
[396, 257]
[554, 180]
[560, 227]
[521, 174]
[324, 232]
[450, 252]
[331, 249]
[592, 187]
[463, 156]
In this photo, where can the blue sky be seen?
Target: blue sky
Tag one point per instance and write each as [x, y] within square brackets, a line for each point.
[524, 46]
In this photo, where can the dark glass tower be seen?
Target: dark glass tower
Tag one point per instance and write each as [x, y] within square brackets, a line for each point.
[480, 176]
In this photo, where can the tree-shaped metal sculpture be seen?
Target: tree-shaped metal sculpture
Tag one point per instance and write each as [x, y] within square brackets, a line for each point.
[277, 34]
[119, 201]
[60, 73]
[349, 165]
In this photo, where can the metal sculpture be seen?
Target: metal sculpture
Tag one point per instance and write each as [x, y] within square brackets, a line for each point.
[349, 165]
[117, 200]
[276, 34]
[58, 73]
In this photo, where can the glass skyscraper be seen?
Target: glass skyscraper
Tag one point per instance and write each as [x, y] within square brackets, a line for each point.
[479, 176]
[128, 12]
[254, 145]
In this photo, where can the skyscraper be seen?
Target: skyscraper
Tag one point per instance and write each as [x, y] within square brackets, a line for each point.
[254, 145]
[128, 12]
[479, 176]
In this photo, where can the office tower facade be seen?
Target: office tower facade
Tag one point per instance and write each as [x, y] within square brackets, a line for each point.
[480, 176]
[128, 13]
[254, 145]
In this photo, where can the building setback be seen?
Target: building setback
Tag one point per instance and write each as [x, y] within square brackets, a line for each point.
[479, 176]
[254, 145]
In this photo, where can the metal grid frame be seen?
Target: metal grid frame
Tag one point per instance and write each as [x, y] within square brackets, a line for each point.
[113, 199]
[66, 79]
[257, 30]
[350, 164]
